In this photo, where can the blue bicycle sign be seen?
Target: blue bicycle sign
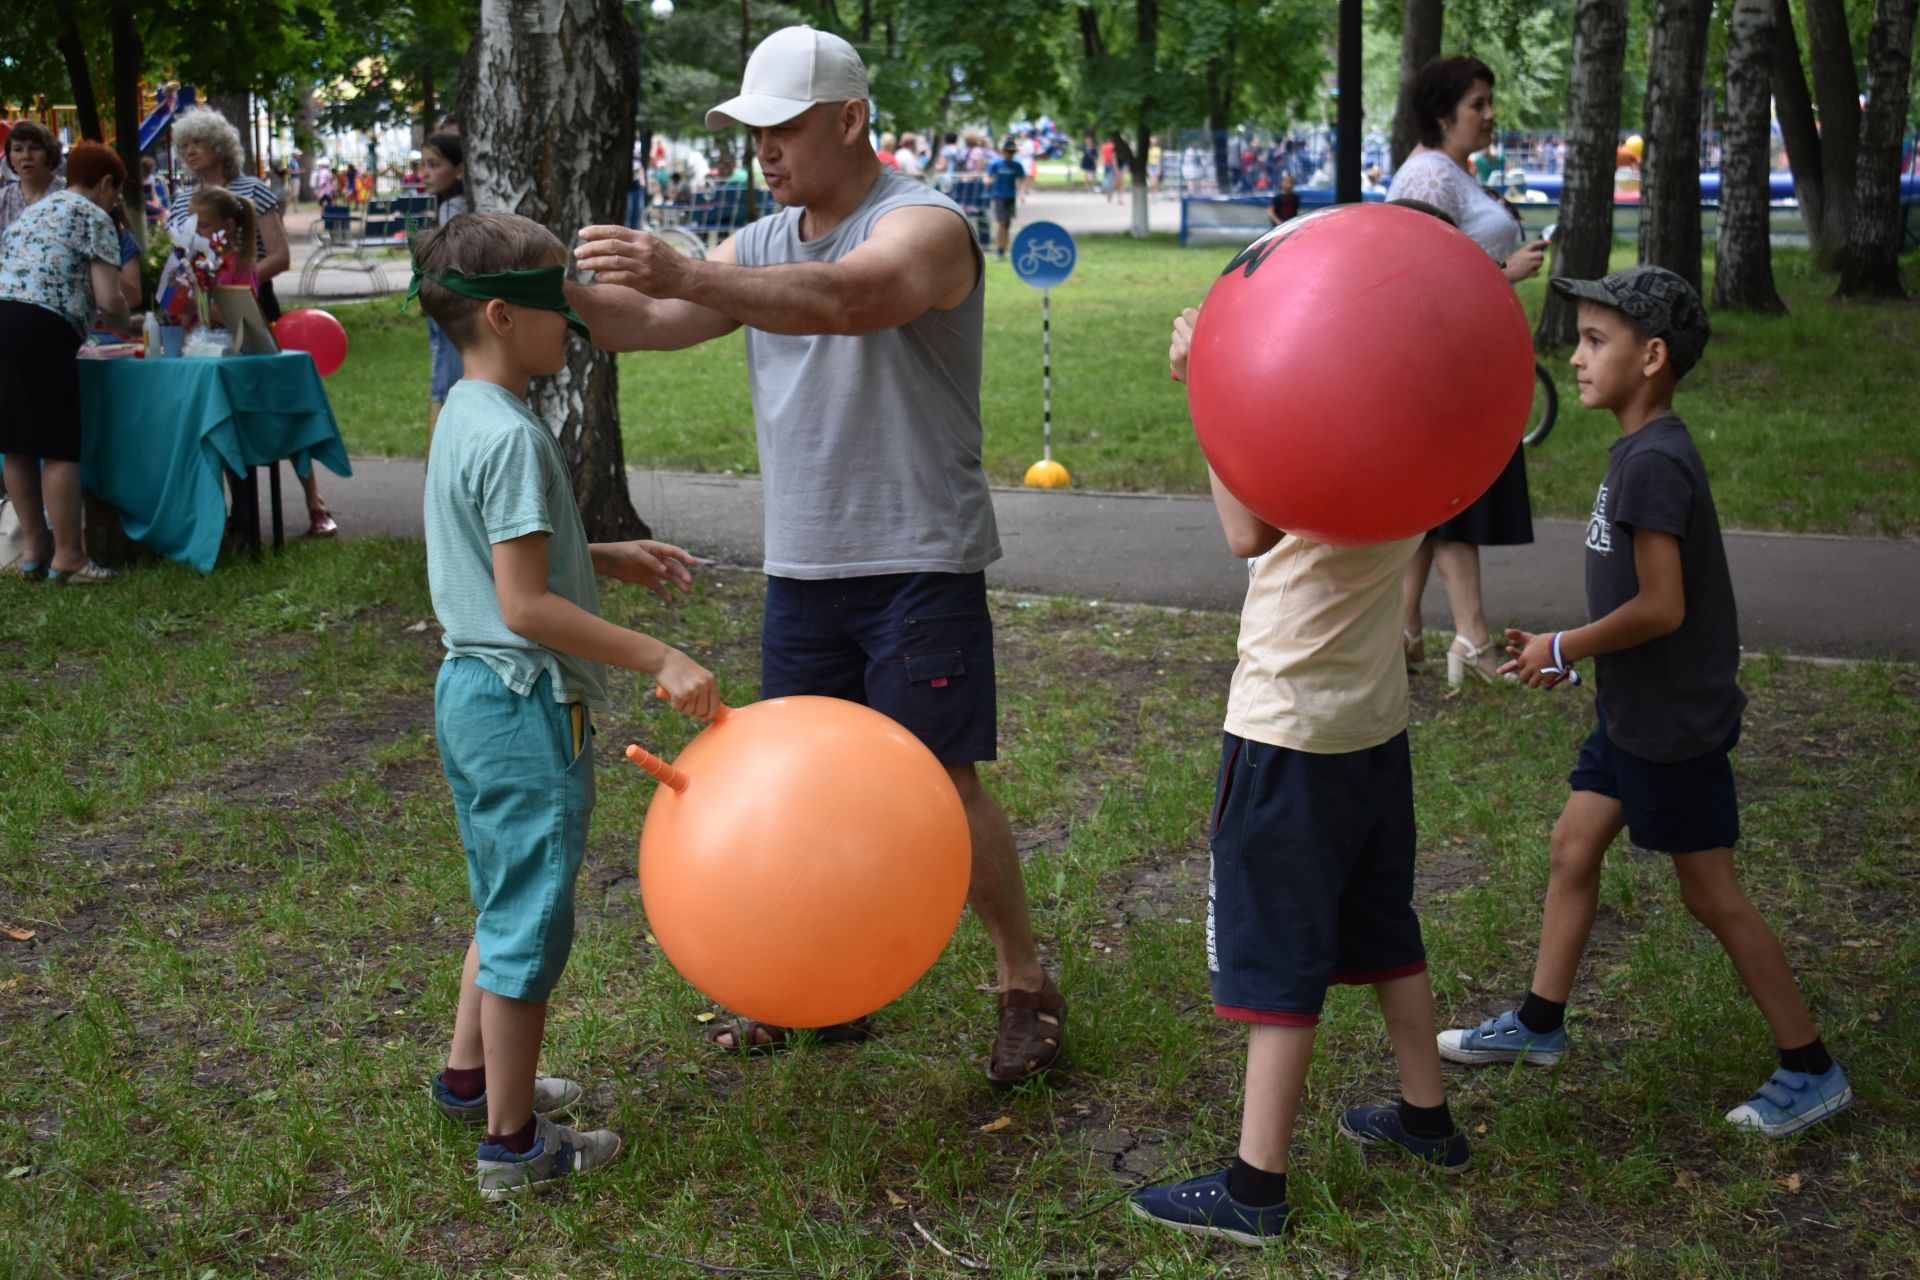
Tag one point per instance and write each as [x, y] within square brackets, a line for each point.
[1043, 254]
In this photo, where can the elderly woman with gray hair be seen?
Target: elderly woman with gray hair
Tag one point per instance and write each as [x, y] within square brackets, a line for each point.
[210, 145]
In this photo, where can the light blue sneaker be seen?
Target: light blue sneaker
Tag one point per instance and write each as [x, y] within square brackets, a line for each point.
[1503, 1039]
[1791, 1100]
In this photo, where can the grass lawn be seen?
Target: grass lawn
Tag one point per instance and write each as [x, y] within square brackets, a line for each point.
[226, 831]
[1807, 422]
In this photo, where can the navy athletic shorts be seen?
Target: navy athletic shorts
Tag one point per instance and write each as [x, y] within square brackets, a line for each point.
[914, 646]
[1312, 877]
[1687, 806]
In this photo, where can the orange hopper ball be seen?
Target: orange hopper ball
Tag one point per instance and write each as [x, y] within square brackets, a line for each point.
[1361, 374]
[805, 860]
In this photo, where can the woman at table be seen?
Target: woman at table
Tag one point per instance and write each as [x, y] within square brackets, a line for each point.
[210, 145]
[59, 265]
[33, 153]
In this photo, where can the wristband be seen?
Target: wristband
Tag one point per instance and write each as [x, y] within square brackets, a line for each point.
[1560, 666]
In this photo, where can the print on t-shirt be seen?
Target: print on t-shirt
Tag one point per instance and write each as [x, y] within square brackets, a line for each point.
[1599, 533]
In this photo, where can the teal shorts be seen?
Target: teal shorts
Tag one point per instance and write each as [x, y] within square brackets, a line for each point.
[521, 769]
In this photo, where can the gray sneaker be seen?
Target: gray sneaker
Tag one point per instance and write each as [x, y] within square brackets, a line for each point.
[552, 1096]
[558, 1152]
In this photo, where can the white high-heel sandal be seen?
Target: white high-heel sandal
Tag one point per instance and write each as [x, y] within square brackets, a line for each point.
[1458, 663]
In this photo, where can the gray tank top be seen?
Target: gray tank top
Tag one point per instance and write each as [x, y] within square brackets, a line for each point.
[869, 445]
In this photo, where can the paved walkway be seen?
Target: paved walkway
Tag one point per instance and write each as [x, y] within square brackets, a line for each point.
[1807, 595]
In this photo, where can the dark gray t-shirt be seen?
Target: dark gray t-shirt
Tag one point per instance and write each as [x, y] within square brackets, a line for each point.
[869, 444]
[1679, 696]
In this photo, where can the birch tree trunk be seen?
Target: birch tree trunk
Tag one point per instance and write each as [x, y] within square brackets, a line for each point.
[1585, 236]
[1870, 254]
[1799, 129]
[1836, 91]
[1743, 248]
[1670, 187]
[547, 109]
[1146, 17]
[1419, 45]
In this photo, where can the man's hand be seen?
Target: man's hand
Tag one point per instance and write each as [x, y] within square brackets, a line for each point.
[1182, 343]
[635, 259]
[690, 687]
[1532, 656]
[658, 566]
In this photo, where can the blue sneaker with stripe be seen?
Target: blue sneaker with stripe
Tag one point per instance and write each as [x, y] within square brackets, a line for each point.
[1204, 1206]
[1503, 1039]
[1791, 1100]
[557, 1153]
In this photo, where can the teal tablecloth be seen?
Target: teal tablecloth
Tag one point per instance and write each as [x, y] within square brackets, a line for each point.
[157, 436]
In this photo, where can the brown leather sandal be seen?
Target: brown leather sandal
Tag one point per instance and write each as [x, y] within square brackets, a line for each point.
[746, 1035]
[1031, 1034]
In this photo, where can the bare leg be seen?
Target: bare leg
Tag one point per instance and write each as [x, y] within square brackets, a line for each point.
[1407, 1006]
[1586, 828]
[1277, 1061]
[466, 1053]
[998, 891]
[1416, 587]
[511, 1031]
[23, 488]
[60, 489]
[1712, 893]
[311, 483]
[1458, 564]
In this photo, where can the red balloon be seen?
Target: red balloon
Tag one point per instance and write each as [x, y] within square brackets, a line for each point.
[1361, 374]
[315, 332]
[805, 861]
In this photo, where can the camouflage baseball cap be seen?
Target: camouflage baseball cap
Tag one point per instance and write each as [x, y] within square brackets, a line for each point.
[1660, 302]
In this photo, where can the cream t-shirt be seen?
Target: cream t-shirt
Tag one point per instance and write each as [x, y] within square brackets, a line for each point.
[1321, 665]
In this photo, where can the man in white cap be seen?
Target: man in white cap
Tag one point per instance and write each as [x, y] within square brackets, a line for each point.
[862, 298]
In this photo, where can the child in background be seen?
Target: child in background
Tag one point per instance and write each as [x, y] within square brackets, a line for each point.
[230, 224]
[443, 158]
[512, 578]
[1006, 175]
[1665, 642]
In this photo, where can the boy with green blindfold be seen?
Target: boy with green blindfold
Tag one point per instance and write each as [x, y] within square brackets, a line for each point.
[512, 576]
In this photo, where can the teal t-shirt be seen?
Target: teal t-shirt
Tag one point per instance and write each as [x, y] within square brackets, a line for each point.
[495, 473]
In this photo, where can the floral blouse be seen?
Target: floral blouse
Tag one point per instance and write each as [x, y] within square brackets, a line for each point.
[47, 256]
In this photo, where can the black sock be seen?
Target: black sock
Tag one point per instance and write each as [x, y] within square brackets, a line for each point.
[1542, 1016]
[1810, 1058]
[1426, 1122]
[1256, 1187]
[465, 1083]
[519, 1143]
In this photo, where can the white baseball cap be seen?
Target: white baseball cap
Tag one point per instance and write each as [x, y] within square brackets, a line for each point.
[790, 71]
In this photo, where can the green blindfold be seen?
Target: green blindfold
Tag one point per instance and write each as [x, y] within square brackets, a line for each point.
[541, 287]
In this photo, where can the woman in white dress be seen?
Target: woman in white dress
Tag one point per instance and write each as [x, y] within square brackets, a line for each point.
[1453, 99]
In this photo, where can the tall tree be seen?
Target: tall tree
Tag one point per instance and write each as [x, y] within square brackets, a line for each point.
[1585, 237]
[128, 55]
[1799, 127]
[73, 51]
[1870, 253]
[1419, 45]
[548, 114]
[1670, 186]
[1743, 245]
[1836, 94]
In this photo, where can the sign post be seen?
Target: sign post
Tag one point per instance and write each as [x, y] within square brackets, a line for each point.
[1043, 256]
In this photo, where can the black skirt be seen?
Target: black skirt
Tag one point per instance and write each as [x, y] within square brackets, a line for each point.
[1500, 517]
[38, 368]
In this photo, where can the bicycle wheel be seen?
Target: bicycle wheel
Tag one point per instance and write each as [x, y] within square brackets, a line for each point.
[1546, 406]
[686, 242]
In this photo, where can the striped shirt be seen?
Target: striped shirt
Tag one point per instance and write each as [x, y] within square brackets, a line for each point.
[246, 186]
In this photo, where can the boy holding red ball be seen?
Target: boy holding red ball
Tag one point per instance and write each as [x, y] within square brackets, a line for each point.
[1312, 847]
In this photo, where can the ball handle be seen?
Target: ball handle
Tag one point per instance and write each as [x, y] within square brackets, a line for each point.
[653, 764]
[720, 709]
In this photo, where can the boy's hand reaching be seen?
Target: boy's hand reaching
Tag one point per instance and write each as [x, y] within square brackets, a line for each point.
[660, 567]
[688, 686]
[1182, 343]
[1533, 662]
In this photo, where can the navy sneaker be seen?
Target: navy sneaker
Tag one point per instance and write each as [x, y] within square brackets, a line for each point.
[1205, 1207]
[1381, 1127]
[1503, 1039]
[1791, 1100]
[552, 1096]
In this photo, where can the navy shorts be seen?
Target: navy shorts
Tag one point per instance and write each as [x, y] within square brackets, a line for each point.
[1686, 806]
[1312, 877]
[914, 646]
